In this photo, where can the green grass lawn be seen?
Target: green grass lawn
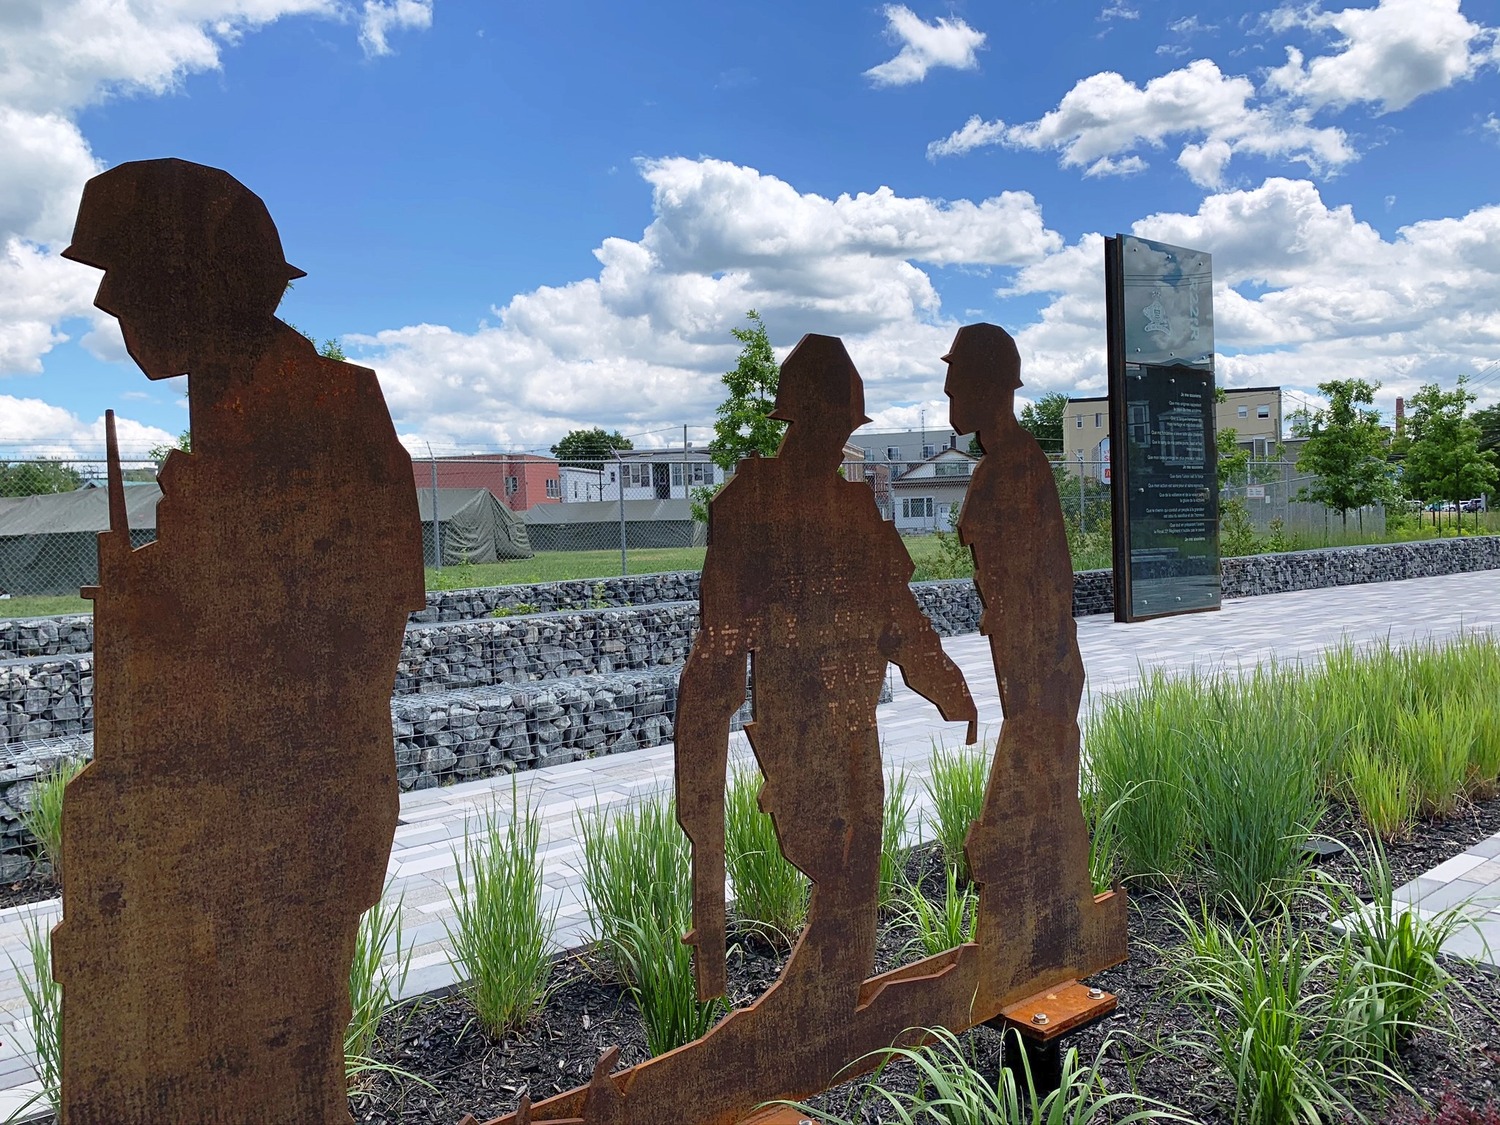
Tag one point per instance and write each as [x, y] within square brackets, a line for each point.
[557, 566]
[44, 605]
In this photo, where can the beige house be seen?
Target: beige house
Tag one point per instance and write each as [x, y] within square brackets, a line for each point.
[1252, 412]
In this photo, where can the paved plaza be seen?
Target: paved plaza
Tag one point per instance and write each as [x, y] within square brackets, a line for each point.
[1243, 634]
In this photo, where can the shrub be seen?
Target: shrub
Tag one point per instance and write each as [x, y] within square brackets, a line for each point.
[952, 1089]
[1272, 1016]
[1255, 801]
[637, 882]
[770, 895]
[44, 817]
[500, 931]
[1138, 769]
[43, 997]
[1383, 791]
[1397, 951]
[1435, 746]
[940, 925]
[955, 789]
[658, 970]
[637, 869]
[372, 991]
[894, 846]
[1484, 756]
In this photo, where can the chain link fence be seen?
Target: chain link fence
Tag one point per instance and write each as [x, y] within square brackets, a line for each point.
[1268, 491]
[492, 519]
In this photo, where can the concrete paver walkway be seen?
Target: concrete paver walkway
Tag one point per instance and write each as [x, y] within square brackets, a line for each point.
[1243, 634]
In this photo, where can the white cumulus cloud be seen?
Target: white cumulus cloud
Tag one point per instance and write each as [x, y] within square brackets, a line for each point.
[1390, 54]
[643, 344]
[1101, 121]
[381, 16]
[33, 428]
[1303, 292]
[59, 56]
[942, 42]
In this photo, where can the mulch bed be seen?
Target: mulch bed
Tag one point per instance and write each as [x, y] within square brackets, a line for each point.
[589, 1011]
[38, 886]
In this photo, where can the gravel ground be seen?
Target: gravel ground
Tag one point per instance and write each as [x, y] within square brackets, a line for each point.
[588, 1011]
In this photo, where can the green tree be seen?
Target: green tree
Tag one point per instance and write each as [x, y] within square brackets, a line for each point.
[742, 426]
[1044, 419]
[158, 453]
[587, 448]
[36, 478]
[1488, 421]
[1443, 459]
[1346, 449]
[329, 349]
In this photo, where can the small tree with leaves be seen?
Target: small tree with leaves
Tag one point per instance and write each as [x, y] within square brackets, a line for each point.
[1044, 420]
[589, 448]
[1345, 450]
[1443, 459]
[742, 425]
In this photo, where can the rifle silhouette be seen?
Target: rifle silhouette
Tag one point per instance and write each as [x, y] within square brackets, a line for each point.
[114, 544]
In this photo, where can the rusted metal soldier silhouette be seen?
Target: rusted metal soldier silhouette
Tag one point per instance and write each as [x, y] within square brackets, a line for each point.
[238, 815]
[1038, 920]
[805, 579]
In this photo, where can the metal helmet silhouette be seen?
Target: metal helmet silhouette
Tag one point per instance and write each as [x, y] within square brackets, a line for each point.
[987, 347]
[817, 377]
[196, 224]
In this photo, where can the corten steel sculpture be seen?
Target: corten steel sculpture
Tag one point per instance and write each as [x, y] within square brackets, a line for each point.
[238, 814]
[1038, 922]
[805, 579]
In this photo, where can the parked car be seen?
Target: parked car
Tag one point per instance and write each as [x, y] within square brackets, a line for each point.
[1475, 505]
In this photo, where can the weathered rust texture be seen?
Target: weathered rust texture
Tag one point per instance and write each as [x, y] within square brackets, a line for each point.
[804, 578]
[1066, 1007]
[1039, 922]
[238, 814]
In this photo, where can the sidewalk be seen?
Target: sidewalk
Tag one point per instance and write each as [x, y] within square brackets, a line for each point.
[1243, 634]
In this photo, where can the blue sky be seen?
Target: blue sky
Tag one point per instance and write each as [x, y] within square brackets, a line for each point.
[528, 218]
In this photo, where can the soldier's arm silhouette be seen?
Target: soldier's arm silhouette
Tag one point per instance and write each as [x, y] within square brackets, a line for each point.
[711, 690]
[910, 643]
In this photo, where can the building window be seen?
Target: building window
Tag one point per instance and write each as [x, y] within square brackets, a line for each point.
[510, 486]
[1262, 411]
[869, 454]
[951, 469]
[1078, 420]
[928, 451]
[637, 476]
[1243, 411]
[1098, 420]
[677, 474]
[554, 489]
[916, 507]
[893, 453]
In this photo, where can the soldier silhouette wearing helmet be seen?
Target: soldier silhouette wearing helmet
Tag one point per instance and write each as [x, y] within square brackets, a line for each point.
[238, 814]
[1038, 921]
[806, 580]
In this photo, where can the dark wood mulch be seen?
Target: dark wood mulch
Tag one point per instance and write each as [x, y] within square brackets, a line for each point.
[588, 1011]
[38, 886]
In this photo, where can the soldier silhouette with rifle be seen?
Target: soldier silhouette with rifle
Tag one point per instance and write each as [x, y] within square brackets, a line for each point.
[237, 817]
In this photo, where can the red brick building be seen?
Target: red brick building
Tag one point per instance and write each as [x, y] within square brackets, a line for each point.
[518, 480]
